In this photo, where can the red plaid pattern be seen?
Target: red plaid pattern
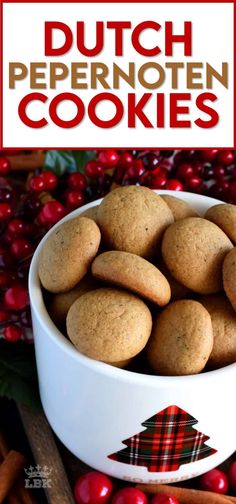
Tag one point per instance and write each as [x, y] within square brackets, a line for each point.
[168, 442]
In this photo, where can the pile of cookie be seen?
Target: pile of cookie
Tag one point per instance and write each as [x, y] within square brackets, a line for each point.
[144, 275]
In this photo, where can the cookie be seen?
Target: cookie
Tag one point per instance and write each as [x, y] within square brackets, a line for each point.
[223, 320]
[229, 277]
[133, 219]
[110, 325]
[224, 215]
[193, 250]
[91, 213]
[178, 291]
[121, 364]
[180, 209]
[61, 302]
[133, 273]
[182, 339]
[67, 254]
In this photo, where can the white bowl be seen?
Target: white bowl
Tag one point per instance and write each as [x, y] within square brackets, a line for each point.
[98, 410]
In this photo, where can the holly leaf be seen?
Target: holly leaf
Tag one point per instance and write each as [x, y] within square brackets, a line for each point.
[63, 161]
[18, 375]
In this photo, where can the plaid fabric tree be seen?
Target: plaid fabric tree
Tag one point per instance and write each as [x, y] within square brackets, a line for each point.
[168, 442]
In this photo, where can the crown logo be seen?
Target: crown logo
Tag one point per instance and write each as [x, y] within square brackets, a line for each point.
[38, 472]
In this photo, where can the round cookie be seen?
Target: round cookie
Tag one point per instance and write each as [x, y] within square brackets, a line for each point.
[193, 250]
[182, 339]
[229, 277]
[180, 209]
[109, 325]
[223, 320]
[133, 273]
[133, 219]
[224, 215]
[61, 302]
[67, 254]
[91, 213]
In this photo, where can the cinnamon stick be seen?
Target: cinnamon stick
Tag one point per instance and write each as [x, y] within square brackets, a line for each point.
[10, 470]
[186, 495]
[45, 452]
[19, 494]
[27, 161]
[23, 494]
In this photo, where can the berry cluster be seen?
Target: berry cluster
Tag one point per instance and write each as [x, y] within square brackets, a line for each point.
[97, 488]
[211, 172]
[29, 208]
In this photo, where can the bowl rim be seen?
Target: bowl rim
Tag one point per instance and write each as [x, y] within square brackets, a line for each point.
[47, 325]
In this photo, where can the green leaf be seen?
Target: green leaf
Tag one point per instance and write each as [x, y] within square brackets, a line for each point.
[18, 375]
[63, 161]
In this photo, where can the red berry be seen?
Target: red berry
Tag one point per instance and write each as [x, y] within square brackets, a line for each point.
[37, 184]
[130, 173]
[198, 167]
[4, 166]
[219, 171]
[16, 297]
[4, 316]
[5, 211]
[12, 333]
[77, 181]
[138, 166]
[93, 169]
[16, 227]
[174, 185]
[50, 180]
[129, 495]
[158, 182]
[108, 158]
[93, 488]
[75, 199]
[5, 195]
[232, 475]
[126, 158]
[135, 170]
[209, 154]
[41, 219]
[164, 499]
[226, 157]
[193, 183]
[21, 248]
[52, 212]
[184, 171]
[151, 161]
[214, 481]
